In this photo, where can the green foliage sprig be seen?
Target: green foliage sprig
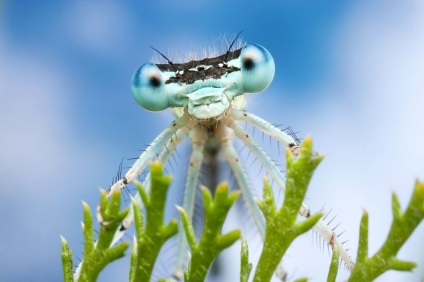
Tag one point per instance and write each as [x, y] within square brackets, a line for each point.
[403, 224]
[211, 242]
[246, 266]
[150, 237]
[282, 229]
[281, 225]
[97, 254]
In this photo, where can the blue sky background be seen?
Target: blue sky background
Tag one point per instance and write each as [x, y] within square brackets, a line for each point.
[351, 73]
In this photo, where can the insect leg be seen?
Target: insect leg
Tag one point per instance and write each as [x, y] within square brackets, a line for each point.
[157, 145]
[171, 136]
[321, 227]
[198, 136]
[226, 137]
[265, 127]
[163, 159]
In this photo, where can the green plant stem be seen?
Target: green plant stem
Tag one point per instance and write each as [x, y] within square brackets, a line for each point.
[403, 224]
[151, 237]
[334, 266]
[281, 225]
[66, 261]
[211, 242]
[98, 255]
[245, 266]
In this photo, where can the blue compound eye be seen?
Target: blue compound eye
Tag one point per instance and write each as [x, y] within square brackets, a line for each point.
[148, 88]
[257, 68]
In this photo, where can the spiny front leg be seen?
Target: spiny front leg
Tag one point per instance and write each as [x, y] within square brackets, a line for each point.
[157, 145]
[226, 136]
[164, 143]
[321, 227]
[163, 158]
[198, 137]
[286, 139]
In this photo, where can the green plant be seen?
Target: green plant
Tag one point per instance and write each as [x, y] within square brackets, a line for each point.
[403, 224]
[282, 229]
[151, 236]
[211, 242]
[97, 255]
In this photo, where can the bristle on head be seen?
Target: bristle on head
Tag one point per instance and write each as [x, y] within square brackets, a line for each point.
[212, 49]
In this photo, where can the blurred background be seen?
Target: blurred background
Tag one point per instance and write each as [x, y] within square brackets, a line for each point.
[351, 73]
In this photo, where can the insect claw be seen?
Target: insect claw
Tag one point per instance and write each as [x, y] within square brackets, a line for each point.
[295, 149]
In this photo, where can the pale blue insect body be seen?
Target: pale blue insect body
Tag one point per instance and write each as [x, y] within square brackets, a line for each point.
[205, 96]
[209, 97]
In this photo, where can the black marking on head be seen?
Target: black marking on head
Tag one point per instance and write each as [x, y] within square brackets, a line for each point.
[125, 181]
[122, 228]
[218, 68]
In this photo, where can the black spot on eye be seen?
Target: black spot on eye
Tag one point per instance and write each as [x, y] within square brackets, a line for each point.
[248, 63]
[155, 81]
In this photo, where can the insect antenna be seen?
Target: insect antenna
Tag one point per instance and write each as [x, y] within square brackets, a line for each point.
[171, 64]
[231, 46]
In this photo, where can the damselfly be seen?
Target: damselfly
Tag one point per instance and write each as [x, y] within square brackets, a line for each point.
[207, 97]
